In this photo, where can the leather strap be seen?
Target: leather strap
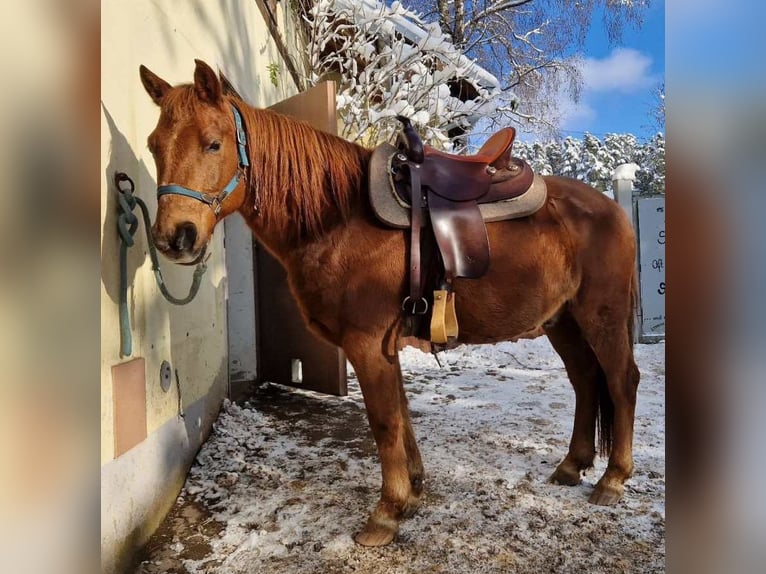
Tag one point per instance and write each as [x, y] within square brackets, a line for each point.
[213, 201]
[461, 236]
[414, 303]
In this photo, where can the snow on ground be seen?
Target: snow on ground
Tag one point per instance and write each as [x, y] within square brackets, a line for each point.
[288, 477]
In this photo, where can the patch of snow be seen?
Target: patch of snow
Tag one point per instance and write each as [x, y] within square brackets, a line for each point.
[289, 477]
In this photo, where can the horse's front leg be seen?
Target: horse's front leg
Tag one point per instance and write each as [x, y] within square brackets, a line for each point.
[380, 379]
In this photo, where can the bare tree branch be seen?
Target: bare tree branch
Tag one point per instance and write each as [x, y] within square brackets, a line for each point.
[526, 44]
[498, 7]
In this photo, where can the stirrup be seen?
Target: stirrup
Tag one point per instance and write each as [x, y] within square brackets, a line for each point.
[443, 317]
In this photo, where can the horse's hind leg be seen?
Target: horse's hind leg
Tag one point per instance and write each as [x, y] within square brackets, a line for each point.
[607, 328]
[381, 382]
[585, 374]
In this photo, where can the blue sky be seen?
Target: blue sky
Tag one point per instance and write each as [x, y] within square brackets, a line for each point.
[620, 79]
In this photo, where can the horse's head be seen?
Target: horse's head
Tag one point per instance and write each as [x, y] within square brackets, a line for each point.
[199, 148]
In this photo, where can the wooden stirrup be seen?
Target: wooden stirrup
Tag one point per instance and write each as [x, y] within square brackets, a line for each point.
[443, 317]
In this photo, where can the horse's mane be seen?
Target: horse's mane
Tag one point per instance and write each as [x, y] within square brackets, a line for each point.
[310, 176]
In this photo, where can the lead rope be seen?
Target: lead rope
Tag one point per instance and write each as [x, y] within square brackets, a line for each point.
[127, 223]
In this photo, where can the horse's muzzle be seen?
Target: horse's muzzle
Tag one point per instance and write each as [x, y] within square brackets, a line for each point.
[180, 245]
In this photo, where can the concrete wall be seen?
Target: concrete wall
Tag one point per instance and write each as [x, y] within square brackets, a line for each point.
[140, 485]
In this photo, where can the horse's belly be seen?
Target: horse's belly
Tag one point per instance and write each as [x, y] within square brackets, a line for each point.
[527, 285]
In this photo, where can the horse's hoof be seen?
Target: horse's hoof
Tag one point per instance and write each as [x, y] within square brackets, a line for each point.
[606, 495]
[377, 532]
[565, 474]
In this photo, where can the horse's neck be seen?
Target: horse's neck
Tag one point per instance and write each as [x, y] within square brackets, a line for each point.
[284, 235]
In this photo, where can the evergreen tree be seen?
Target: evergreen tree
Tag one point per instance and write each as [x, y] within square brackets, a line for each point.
[592, 160]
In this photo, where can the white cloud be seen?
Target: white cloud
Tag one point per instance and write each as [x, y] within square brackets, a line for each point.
[575, 115]
[624, 70]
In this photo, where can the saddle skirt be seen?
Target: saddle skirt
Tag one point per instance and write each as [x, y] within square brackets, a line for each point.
[394, 210]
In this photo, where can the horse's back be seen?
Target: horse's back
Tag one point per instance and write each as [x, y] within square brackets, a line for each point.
[586, 210]
[601, 232]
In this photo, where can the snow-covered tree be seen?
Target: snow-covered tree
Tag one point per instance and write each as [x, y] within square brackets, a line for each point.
[528, 44]
[570, 163]
[538, 158]
[651, 157]
[381, 73]
[657, 110]
[593, 160]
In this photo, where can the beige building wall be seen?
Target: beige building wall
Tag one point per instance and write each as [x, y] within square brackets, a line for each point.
[140, 485]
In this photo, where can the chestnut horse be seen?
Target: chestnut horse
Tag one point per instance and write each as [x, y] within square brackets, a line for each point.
[567, 271]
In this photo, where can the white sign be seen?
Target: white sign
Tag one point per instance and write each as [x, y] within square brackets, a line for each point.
[651, 256]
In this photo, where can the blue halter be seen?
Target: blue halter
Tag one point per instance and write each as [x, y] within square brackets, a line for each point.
[215, 201]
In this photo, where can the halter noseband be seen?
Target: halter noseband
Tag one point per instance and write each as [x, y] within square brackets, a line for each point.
[215, 201]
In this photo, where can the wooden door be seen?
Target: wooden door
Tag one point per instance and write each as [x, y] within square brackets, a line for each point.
[288, 353]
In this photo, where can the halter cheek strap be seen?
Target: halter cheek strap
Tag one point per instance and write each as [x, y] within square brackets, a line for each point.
[215, 201]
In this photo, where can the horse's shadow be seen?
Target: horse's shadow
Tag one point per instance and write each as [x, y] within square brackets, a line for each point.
[121, 158]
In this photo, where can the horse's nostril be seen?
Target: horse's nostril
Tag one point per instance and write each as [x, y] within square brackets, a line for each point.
[159, 240]
[161, 244]
[186, 235]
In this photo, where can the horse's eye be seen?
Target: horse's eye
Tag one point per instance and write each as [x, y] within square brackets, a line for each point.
[215, 146]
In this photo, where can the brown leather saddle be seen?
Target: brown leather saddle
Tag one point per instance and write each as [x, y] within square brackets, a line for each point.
[450, 191]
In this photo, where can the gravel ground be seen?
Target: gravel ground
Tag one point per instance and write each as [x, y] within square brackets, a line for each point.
[289, 476]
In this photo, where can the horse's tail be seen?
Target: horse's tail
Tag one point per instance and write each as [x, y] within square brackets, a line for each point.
[605, 416]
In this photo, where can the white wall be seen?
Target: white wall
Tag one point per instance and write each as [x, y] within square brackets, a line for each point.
[139, 486]
[241, 300]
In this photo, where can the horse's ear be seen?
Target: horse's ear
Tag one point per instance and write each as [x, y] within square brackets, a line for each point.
[155, 86]
[206, 83]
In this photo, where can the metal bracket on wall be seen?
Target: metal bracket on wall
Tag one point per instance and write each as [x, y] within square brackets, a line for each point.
[166, 376]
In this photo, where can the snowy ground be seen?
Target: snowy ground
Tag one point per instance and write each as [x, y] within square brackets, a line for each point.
[288, 477]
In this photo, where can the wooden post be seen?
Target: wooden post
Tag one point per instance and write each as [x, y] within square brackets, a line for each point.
[622, 182]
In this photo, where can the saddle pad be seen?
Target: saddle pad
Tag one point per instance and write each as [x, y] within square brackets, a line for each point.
[390, 210]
